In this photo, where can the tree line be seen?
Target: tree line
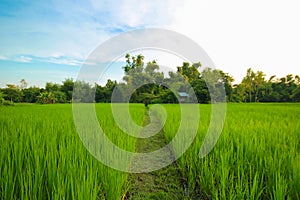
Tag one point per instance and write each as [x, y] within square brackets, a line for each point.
[143, 81]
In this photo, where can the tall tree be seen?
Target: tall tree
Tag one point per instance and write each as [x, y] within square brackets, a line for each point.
[190, 73]
[12, 93]
[227, 80]
[67, 88]
[247, 82]
[133, 63]
[23, 84]
[296, 94]
[51, 87]
[30, 95]
[83, 92]
[258, 83]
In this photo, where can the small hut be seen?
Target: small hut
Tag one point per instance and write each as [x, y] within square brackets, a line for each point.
[183, 97]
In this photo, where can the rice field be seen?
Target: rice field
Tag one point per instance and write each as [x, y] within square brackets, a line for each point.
[256, 157]
[42, 156]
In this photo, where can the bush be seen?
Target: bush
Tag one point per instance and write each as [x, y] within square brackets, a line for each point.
[7, 103]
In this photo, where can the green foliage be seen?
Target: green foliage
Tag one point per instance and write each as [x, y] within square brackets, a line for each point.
[296, 94]
[7, 103]
[30, 95]
[190, 73]
[84, 92]
[103, 94]
[51, 87]
[46, 97]
[254, 88]
[1, 97]
[141, 79]
[133, 63]
[67, 88]
[12, 93]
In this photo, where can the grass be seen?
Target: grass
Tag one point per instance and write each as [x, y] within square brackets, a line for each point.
[42, 156]
[165, 183]
[256, 157]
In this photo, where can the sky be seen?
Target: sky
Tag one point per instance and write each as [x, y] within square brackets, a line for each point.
[44, 41]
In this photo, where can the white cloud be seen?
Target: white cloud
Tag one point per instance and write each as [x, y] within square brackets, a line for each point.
[23, 59]
[60, 58]
[78, 28]
[263, 35]
[2, 57]
[64, 61]
[237, 35]
[55, 58]
[137, 13]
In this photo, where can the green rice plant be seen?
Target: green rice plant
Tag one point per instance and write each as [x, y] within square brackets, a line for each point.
[256, 157]
[42, 156]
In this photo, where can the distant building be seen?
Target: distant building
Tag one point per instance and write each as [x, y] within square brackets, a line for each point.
[183, 97]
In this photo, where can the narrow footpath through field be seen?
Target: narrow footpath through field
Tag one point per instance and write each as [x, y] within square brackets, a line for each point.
[166, 183]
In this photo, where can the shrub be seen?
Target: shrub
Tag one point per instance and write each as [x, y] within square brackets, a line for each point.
[7, 103]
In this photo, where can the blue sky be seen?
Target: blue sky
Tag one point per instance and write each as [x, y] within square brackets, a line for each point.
[49, 40]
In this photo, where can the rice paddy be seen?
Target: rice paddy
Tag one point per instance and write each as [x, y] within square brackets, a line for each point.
[256, 157]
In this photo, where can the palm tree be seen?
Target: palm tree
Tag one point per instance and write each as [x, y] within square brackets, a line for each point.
[46, 97]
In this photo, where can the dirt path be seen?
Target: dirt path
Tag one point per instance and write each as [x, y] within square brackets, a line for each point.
[162, 184]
